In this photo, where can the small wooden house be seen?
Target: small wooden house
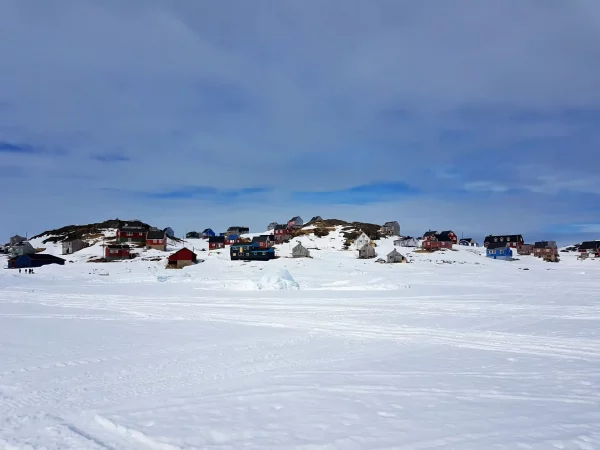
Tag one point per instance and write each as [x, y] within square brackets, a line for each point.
[282, 233]
[430, 235]
[525, 249]
[295, 222]
[499, 250]
[263, 241]
[407, 241]
[35, 260]
[390, 229]
[366, 252]
[362, 240]
[468, 242]
[299, 251]
[208, 233]
[16, 240]
[131, 234]
[512, 240]
[433, 244]
[72, 246]
[447, 236]
[252, 252]
[395, 257]
[23, 248]
[590, 247]
[117, 252]
[182, 258]
[545, 248]
[157, 239]
[237, 230]
[216, 242]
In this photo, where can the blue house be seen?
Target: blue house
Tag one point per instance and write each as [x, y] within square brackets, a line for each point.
[208, 233]
[35, 260]
[499, 250]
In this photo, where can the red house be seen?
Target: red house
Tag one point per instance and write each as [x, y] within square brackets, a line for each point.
[282, 233]
[131, 234]
[512, 240]
[436, 245]
[263, 241]
[116, 252]
[182, 258]
[216, 242]
[430, 236]
[157, 239]
[447, 236]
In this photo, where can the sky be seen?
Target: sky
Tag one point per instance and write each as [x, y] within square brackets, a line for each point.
[480, 117]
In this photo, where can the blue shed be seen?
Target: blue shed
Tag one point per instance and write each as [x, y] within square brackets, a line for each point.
[499, 250]
[208, 233]
[35, 260]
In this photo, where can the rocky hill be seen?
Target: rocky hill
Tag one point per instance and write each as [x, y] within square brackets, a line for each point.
[350, 230]
[86, 232]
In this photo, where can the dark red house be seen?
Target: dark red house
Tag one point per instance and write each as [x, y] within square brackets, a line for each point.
[436, 245]
[512, 240]
[282, 233]
[447, 236]
[430, 236]
[263, 241]
[131, 234]
[117, 252]
[216, 242]
[545, 248]
[182, 258]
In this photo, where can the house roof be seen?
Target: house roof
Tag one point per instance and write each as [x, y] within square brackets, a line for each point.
[132, 229]
[494, 245]
[444, 236]
[295, 218]
[544, 244]
[262, 238]
[184, 254]
[467, 239]
[43, 257]
[504, 237]
[233, 236]
[390, 224]
[395, 252]
[589, 245]
[118, 246]
[216, 239]
[281, 227]
[156, 234]
[208, 230]
[430, 233]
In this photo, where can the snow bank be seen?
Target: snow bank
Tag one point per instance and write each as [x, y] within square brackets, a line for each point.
[280, 280]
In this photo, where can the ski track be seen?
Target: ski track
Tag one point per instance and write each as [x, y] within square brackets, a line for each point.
[414, 367]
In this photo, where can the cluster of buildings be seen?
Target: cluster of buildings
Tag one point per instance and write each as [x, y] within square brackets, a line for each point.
[21, 254]
[128, 236]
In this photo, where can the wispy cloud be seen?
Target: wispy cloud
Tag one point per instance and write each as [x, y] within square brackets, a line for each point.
[7, 147]
[207, 193]
[359, 195]
[110, 157]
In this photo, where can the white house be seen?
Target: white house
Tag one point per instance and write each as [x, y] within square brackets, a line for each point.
[361, 240]
[406, 242]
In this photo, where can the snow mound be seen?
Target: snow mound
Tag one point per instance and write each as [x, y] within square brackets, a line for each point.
[280, 280]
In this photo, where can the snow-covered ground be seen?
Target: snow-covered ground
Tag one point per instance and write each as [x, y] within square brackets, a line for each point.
[451, 351]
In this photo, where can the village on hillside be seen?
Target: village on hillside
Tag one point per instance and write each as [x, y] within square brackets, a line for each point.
[126, 238]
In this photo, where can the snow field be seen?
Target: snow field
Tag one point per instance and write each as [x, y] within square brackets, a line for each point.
[450, 351]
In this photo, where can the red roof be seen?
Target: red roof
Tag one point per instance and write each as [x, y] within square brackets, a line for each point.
[184, 254]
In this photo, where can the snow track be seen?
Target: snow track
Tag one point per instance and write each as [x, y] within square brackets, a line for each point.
[170, 366]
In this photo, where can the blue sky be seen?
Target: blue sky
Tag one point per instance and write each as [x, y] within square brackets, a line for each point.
[479, 117]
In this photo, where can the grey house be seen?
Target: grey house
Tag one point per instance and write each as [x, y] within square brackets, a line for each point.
[391, 229]
[72, 246]
[366, 252]
[299, 251]
[395, 257]
[272, 226]
[407, 241]
[24, 248]
[16, 240]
